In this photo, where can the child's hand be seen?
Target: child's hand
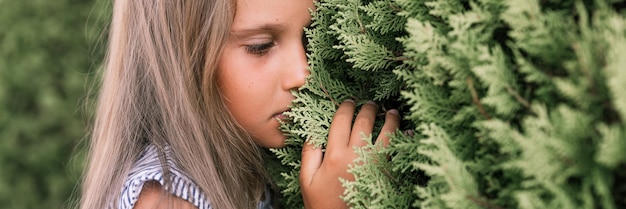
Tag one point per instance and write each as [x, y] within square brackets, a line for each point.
[320, 173]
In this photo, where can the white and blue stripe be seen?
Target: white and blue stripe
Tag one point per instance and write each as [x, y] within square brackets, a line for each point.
[148, 168]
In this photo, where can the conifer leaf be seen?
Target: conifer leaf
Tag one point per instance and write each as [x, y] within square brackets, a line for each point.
[612, 145]
[616, 62]
[514, 104]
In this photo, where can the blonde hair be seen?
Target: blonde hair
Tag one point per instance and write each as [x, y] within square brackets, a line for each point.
[159, 87]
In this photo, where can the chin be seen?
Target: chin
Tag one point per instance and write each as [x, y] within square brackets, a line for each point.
[271, 141]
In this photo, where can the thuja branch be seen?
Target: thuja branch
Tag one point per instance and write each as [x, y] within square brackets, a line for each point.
[328, 94]
[395, 8]
[483, 203]
[519, 98]
[475, 100]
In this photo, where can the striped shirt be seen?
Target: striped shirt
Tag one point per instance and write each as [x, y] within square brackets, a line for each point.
[148, 168]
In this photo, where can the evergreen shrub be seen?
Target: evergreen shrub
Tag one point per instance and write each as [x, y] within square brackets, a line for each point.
[513, 104]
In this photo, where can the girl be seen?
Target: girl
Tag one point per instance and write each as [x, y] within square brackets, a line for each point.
[191, 90]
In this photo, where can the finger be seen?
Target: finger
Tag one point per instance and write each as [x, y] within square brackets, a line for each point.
[392, 121]
[363, 124]
[311, 161]
[340, 127]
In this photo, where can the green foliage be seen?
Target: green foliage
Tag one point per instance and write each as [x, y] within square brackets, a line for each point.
[515, 104]
[338, 41]
[47, 49]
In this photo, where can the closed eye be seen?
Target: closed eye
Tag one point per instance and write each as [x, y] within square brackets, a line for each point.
[259, 49]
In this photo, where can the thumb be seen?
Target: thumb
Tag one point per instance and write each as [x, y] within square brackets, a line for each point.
[311, 162]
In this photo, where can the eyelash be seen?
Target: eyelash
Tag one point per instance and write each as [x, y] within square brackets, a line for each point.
[260, 49]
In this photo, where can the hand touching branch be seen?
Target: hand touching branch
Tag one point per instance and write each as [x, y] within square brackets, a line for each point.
[320, 173]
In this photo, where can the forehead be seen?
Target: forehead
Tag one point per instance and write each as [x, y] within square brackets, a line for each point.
[285, 13]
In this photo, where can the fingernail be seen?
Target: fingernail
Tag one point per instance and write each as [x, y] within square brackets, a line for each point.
[394, 111]
[372, 103]
[349, 100]
[409, 133]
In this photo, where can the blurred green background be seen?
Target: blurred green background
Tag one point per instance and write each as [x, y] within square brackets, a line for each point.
[49, 55]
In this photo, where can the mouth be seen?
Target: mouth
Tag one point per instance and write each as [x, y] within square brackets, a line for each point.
[281, 116]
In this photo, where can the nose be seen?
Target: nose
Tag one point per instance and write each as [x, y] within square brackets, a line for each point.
[296, 67]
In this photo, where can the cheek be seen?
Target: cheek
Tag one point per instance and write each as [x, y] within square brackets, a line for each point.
[234, 91]
[238, 92]
[234, 75]
[228, 86]
[227, 76]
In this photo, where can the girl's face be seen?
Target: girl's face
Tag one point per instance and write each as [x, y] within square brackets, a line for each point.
[263, 60]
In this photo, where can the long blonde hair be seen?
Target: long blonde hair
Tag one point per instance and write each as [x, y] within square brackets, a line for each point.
[159, 87]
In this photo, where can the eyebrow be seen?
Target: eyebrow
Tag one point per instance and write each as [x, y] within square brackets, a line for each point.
[270, 27]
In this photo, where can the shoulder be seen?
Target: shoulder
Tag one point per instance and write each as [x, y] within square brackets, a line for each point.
[146, 180]
[152, 196]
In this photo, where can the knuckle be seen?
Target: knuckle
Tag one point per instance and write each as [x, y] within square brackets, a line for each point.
[363, 122]
[333, 159]
[342, 117]
[340, 160]
[391, 127]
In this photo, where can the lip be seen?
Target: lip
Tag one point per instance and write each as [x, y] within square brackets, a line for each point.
[281, 116]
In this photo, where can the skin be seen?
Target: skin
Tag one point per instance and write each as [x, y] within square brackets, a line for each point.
[150, 198]
[263, 61]
[320, 173]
